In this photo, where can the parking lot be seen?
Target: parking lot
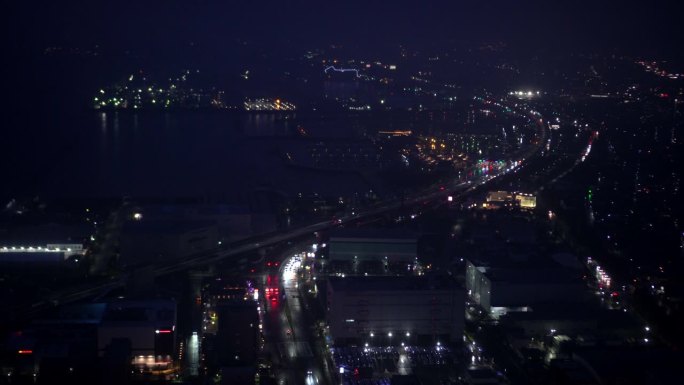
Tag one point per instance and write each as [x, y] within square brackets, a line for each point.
[367, 381]
[375, 365]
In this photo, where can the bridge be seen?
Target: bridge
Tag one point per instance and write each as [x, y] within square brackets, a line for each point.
[335, 69]
[437, 193]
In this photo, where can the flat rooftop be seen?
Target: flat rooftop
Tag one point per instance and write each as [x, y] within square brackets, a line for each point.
[390, 283]
[373, 235]
[520, 258]
[532, 275]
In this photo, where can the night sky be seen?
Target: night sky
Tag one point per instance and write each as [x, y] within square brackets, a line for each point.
[161, 25]
[172, 35]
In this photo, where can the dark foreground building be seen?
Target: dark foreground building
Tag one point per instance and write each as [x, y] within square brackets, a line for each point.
[125, 339]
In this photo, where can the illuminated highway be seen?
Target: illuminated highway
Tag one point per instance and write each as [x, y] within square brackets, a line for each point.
[457, 190]
[289, 339]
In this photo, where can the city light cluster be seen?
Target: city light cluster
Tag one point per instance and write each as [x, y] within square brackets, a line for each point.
[600, 274]
[138, 92]
[268, 105]
[524, 94]
[32, 249]
[653, 66]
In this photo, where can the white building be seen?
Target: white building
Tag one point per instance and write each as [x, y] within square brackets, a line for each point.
[516, 287]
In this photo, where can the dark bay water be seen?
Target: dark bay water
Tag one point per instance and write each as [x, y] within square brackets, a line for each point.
[180, 153]
[157, 154]
[113, 153]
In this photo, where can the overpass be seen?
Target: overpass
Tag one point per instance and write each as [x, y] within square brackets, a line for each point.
[456, 189]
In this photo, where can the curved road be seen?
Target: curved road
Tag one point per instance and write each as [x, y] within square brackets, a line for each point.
[458, 190]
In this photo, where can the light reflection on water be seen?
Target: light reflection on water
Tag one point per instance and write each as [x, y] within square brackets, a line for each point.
[184, 153]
